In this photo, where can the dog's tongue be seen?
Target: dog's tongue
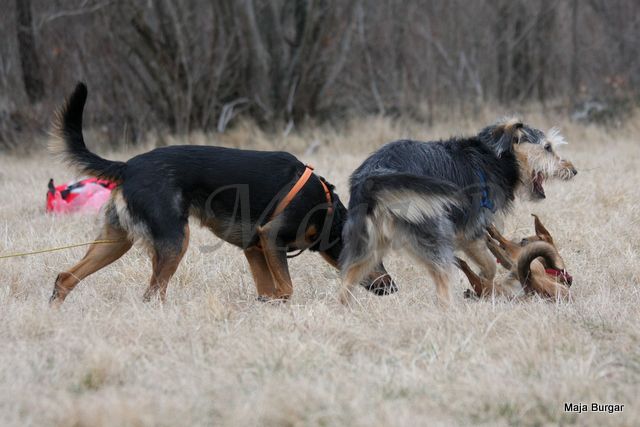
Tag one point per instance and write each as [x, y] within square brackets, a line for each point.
[562, 274]
[538, 189]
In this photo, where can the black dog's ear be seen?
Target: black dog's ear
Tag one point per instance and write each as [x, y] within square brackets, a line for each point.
[328, 184]
[502, 136]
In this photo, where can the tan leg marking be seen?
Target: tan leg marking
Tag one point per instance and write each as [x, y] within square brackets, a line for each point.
[262, 277]
[352, 277]
[164, 266]
[441, 277]
[478, 253]
[97, 257]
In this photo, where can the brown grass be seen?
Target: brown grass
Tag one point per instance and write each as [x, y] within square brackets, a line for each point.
[213, 355]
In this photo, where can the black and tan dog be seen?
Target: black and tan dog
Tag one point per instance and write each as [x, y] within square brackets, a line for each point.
[434, 198]
[534, 263]
[266, 203]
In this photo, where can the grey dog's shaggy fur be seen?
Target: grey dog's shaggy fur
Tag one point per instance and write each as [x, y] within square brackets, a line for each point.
[434, 198]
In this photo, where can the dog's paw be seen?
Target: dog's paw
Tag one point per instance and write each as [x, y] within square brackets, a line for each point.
[346, 298]
[272, 299]
[470, 294]
[55, 302]
[384, 285]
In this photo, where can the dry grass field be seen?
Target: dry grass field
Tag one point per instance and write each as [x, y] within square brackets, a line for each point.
[214, 356]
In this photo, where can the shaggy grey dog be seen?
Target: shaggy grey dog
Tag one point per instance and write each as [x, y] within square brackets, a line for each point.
[434, 198]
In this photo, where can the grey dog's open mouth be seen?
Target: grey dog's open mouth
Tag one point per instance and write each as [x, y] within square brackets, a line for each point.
[537, 180]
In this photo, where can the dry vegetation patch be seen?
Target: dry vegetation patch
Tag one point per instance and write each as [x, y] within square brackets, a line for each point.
[213, 355]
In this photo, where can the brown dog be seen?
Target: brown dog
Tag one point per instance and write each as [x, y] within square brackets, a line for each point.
[534, 264]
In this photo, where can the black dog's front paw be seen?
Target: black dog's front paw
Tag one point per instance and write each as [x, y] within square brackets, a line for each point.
[272, 299]
[470, 294]
[384, 285]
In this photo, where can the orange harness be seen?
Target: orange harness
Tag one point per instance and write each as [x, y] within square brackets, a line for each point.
[293, 192]
[296, 189]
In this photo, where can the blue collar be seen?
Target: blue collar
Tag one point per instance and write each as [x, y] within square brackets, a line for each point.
[486, 202]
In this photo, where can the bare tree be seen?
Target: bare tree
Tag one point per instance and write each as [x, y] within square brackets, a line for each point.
[199, 65]
[31, 73]
[575, 54]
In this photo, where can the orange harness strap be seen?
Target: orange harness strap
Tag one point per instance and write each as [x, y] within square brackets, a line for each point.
[296, 189]
[327, 195]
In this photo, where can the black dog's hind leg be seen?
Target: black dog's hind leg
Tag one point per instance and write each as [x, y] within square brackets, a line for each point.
[98, 256]
[166, 257]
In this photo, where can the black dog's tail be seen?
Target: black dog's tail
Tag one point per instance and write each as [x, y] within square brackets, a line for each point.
[537, 250]
[69, 143]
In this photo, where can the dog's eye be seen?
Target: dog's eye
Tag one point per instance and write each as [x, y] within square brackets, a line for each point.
[524, 242]
[548, 147]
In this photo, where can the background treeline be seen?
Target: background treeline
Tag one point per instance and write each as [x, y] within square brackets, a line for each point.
[202, 64]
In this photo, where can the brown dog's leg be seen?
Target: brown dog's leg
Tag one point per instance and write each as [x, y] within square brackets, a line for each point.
[479, 285]
[262, 277]
[493, 232]
[276, 258]
[165, 262]
[499, 253]
[98, 256]
[512, 249]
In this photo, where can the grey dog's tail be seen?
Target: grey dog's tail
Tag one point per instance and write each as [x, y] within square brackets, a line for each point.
[69, 142]
[407, 197]
[537, 250]
[404, 184]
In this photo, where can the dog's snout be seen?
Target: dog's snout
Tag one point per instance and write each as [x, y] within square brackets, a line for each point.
[568, 171]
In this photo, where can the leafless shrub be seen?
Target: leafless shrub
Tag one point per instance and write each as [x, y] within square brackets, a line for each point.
[199, 65]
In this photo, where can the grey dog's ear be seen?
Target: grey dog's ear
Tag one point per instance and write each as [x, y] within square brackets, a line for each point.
[501, 136]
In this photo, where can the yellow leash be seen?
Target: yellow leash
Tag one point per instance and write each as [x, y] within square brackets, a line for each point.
[60, 248]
